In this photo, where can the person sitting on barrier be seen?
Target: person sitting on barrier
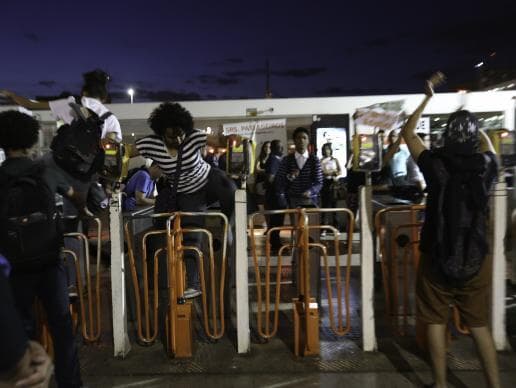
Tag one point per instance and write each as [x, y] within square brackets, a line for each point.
[35, 254]
[271, 199]
[331, 170]
[192, 184]
[139, 190]
[299, 179]
[459, 176]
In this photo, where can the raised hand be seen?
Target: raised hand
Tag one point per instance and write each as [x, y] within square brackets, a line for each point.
[435, 80]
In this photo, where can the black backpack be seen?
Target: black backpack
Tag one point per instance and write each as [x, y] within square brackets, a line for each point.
[30, 227]
[76, 148]
[461, 245]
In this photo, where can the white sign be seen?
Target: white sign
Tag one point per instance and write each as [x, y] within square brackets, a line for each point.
[384, 116]
[423, 125]
[249, 128]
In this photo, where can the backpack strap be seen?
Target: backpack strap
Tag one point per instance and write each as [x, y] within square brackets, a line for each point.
[104, 116]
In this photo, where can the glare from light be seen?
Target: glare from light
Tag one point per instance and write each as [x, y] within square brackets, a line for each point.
[437, 119]
[510, 85]
[208, 130]
[479, 64]
[132, 134]
[130, 91]
[462, 91]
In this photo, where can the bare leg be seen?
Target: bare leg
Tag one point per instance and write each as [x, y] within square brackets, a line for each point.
[437, 347]
[487, 352]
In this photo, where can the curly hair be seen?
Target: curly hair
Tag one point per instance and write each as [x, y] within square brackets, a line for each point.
[17, 130]
[170, 115]
[95, 84]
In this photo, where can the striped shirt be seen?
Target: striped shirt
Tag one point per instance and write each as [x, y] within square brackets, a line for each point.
[294, 182]
[194, 170]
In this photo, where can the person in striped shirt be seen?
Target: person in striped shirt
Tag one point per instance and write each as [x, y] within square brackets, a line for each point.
[299, 178]
[191, 183]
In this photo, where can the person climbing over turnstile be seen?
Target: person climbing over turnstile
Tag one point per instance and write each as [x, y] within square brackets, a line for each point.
[191, 184]
[453, 267]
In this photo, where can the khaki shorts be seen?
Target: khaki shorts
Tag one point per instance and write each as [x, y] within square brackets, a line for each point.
[434, 297]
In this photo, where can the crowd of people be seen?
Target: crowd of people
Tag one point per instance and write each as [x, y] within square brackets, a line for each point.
[175, 151]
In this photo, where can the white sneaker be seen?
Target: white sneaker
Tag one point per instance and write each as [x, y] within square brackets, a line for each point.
[191, 293]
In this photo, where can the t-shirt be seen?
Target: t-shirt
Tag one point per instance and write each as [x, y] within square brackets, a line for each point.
[398, 162]
[141, 181]
[194, 169]
[428, 164]
[62, 111]
[329, 166]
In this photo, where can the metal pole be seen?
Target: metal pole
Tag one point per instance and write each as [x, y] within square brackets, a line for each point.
[121, 344]
[367, 269]
[499, 219]
[241, 273]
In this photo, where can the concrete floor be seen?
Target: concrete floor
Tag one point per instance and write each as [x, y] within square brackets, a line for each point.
[397, 363]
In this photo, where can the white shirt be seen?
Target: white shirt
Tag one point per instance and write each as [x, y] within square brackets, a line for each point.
[62, 111]
[301, 159]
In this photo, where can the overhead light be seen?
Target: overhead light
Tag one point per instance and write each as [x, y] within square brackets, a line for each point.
[510, 86]
[132, 134]
[208, 130]
[437, 119]
[479, 64]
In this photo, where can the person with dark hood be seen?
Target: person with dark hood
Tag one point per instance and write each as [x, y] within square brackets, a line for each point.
[453, 268]
[176, 147]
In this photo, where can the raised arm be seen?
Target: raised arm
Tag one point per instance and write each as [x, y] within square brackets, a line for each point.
[414, 143]
[25, 102]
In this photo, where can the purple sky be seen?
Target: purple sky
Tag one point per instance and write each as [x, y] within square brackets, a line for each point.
[192, 49]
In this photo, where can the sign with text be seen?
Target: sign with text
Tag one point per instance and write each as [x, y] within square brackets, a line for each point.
[384, 116]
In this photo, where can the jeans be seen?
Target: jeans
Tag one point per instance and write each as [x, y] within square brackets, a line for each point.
[50, 286]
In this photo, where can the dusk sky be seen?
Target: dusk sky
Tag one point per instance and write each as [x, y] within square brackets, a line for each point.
[217, 50]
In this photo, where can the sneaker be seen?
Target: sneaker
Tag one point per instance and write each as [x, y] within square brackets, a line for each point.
[72, 292]
[191, 293]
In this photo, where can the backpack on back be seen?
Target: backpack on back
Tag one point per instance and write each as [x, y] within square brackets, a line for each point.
[30, 232]
[76, 148]
[461, 245]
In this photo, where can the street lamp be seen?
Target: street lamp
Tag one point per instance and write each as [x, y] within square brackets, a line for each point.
[130, 91]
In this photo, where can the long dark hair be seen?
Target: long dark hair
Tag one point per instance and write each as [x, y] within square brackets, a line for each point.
[263, 155]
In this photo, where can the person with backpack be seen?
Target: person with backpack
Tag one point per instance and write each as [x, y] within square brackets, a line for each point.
[453, 268]
[76, 150]
[31, 239]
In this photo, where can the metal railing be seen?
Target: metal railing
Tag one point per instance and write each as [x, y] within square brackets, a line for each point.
[299, 246]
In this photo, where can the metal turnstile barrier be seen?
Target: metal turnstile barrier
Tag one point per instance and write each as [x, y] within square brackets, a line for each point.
[89, 299]
[178, 317]
[305, 306]
[398, 229]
